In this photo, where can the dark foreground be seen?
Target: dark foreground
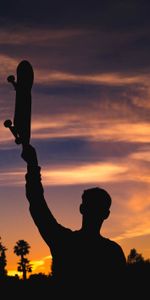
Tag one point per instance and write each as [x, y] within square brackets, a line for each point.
[135, 285]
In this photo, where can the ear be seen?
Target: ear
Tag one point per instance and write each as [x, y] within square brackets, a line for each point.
[106, 214]
[81, 209]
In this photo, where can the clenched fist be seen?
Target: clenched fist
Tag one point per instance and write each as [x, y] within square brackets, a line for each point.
[29, 155]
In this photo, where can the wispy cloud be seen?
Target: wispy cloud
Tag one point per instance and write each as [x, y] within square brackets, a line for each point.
[71, 125]
[84, 126]
[90, 173]
[134, 216]
[36, 36]
[112, 79]
[94, 173]
[42, 265]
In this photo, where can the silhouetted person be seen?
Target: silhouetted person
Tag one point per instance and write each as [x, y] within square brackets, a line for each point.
[83, 260]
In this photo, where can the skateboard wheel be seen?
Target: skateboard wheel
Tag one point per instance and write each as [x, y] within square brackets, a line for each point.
[8, 123]
[11, 78]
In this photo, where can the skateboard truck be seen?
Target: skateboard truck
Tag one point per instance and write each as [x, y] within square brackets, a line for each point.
[8, 124]
[11, 78]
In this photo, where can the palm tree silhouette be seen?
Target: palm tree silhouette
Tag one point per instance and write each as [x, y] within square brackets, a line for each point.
[21, 249]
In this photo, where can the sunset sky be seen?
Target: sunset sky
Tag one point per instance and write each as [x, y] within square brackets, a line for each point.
[90, 117]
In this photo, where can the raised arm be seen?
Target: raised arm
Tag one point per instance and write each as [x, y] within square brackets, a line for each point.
[41, 214]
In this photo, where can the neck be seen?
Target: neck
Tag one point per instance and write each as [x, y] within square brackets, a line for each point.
[91, 228]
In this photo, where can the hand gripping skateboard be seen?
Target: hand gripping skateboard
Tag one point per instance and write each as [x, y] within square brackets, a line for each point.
[21, 127]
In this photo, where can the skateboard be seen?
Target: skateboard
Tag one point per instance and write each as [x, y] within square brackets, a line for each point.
[21, 126]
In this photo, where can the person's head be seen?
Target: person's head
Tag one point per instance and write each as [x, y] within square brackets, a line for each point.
[95, 206]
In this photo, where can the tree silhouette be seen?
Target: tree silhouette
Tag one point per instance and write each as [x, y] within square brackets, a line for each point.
[3, 261]
[21, 249]
[134, 257]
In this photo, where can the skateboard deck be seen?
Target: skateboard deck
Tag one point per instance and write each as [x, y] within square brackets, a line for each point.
[21, 127]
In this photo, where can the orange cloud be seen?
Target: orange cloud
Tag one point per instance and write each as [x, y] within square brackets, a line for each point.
[75, 126]
[42, 265]
[90, 127]
[90, 173]
[51, 77]
[135, 214]
[141, 155]
[23, 36]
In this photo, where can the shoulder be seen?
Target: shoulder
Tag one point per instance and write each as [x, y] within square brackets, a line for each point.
[115, 248]
[112, 243]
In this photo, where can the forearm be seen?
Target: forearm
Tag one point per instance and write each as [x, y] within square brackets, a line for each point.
[34, 188]
[39, 210]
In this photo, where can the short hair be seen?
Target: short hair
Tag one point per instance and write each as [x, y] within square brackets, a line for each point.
[97, 194]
